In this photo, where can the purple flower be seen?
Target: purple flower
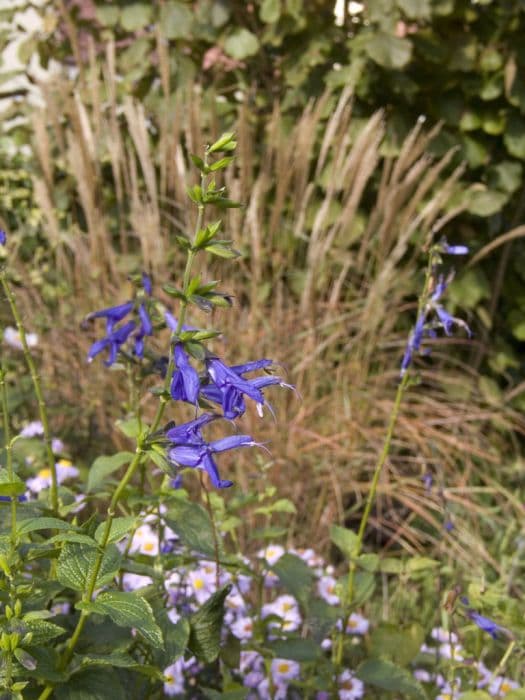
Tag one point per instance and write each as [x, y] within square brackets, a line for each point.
[146, 284]
[3, 237]
[145, 328]
[185, 381]
[188, 448]
[228, 386]
[113, 342]
[453, 249]
[113, 314]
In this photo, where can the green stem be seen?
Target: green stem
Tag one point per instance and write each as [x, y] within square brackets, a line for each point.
[8, 452]
[38, 391]
[366, 514]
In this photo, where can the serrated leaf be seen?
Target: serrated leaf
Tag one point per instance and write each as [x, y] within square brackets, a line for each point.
[33, 524]
[346, 540]
[119, 660]
[192, 524]
[86, 685]
[105, 465]
[386, 675]
[42, 630]
[295, 575]
[206, 626]
[127, 609]
[76, 565]
[120, 527]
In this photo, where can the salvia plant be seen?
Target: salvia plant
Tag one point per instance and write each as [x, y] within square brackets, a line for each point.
[115, 583]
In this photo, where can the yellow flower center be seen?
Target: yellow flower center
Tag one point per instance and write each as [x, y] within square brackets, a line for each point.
[198, 583]
[149, 546]
[65, 463]
[347, 685]
[44, 473]
[505, 687]
[283, 667]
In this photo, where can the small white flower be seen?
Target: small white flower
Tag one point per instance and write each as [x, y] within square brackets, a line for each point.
[174, 678]
[423, 676]
[284, 670]
[500, 686]
[443, 636]
[357, 624]
[132, 582]
[326, 589]
[32, 429]
[202, 584]
[451, 651]
[272, 553]
[145, 541]
[12, 338]
[285, 607]
[350, 687]
[64, 469]
[242, 628]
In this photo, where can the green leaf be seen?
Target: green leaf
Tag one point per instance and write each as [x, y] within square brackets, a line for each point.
[130, 427]
[506, 176]
[518, 694]
[76, 565]
[514, 137]
[119, 660]
[33, 524]
[120, 527]
[398, 645]
[487, 202]
[136, 16]
[386, 675]
[127, 610]
[176, 20]
[364, 586]
[270, 11]
[389, 51]
[192, 524]
[10, 488]
[42, 631]
[224, 142]
[206, 625]
[302, 650]
[220, 164]
[295, 575]
[105, 465]
[86, 685]
[222, 250]
[241, 44]
[107, 15]
[346, 540]
[415, 9]
[478, 695]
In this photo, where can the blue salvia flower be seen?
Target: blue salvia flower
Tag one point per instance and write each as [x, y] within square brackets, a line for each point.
[116, 336]
[432, 315]
[3, 237]
[228, 386]
[485, 623]
[185, 382]
[189, 448]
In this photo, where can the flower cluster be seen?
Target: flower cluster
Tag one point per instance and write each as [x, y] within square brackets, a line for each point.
[432, 315]
[188, 587]
[444, 648]
[226, 386]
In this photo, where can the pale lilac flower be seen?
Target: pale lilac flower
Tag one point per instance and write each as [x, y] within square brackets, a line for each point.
[272, 553]
[64, 470]
[357, 624]
[12, 338]
[202, 584]
[145, 541]
[350, 687]
[174, 678]
[32, 429]
[284, 670]
[451, 651]
[242, 628]
[326, 589]
[441, 635]
[423, 676]
[132, 582]
[285, 607]
[500, 686]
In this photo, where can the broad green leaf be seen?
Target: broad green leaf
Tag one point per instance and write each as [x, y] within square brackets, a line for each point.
[517, 694]
[131, 427]
[389, 51]
[120, 527]
[270, 11]
[416, 564]
[346, 540]
[176, 20]
[364, 586]
[136, 15]
[477, 695]
[506, 176]
[241, 44]
[206, 625]
[76, 565]
[42, 631]
[396, 644]
[514, 137]
[107, 15]
[471, 287]
[222, 250]
[127, 610]
[192, 524]
[297, 649]
[415, 9]
[321, 617]
[119, 660]
[386, 675]
[486, 202]
[295, 575]
[105, 465]
[33, 524]
[87, 685]
[12, 488]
